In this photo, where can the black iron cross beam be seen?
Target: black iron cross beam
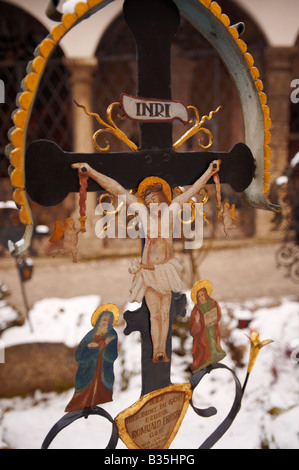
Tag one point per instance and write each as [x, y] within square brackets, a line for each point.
[49, 176]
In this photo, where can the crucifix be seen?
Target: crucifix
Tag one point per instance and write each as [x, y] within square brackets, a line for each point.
[51, 174]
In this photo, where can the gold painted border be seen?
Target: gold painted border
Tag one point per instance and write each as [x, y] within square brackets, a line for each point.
[105, 308]
[217, 11]
[203, 283]
[120, 419]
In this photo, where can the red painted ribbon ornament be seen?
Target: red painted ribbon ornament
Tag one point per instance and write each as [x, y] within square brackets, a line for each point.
[83, 180]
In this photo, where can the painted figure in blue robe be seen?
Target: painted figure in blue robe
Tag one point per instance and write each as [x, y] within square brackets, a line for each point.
[96, 355]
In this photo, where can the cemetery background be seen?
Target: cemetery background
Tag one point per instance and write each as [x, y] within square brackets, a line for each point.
[242, 269]
[60, 317]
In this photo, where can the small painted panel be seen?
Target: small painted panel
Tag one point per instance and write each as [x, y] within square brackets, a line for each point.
[204, 327]
[153, 421]
[141, 109]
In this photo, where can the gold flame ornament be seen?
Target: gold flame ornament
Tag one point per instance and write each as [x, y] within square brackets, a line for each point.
[255, 346]
[197, 126]
[108, 307]
[109, 127]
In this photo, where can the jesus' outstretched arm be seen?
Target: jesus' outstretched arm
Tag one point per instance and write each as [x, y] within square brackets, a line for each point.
[199, 184]
[112, 186]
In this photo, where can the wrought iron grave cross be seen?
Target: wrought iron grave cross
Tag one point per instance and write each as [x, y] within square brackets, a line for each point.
[50, 177]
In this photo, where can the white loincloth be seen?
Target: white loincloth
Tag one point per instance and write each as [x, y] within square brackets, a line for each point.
[163, 278]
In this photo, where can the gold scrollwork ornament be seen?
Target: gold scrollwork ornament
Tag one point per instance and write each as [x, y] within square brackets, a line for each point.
[115, 213]
[202, 198]
[197, 126]
[109, 127]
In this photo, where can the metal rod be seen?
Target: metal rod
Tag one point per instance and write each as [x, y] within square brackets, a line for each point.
[245, 383]
[23, 290]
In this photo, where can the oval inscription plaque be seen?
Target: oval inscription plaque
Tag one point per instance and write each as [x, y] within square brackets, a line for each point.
[154, 420]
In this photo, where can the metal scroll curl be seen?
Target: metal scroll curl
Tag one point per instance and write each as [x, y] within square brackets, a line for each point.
[206, 413]
[52, 11]
[72, 416]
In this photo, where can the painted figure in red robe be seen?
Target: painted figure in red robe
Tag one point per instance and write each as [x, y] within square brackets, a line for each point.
[205, 318]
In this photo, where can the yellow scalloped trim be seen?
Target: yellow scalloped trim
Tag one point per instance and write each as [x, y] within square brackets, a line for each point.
[93, 3]
[46, 47]
[17, 137]
[20, 118]
[25, 100]
[242, 45]
[206, 3]
[25, 215]
[216, 10]
[19, 197]
[81, 8]
[31, 81]
[38, 64]
[58, 32]
[16, 157]
[17, 178]
[68, 20]
[267, 137]
[225, 20]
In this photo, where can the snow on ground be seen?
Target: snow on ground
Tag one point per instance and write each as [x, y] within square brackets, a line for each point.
[269, 416]
[55, 320]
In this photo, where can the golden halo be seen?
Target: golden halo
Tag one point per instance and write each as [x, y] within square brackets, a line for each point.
[152, 180]
[105, 308]
[204, 283]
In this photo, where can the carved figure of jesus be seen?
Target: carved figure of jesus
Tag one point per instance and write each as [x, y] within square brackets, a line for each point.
[158, 273]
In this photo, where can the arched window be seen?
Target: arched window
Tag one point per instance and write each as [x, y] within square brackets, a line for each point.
[116, 74]
[51, 117]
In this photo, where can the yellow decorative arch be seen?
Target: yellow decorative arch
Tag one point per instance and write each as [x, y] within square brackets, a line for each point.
[216, 10]
[15, 151]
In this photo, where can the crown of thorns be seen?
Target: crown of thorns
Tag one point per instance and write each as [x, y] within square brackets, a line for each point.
[152, 188]
[153, 184]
